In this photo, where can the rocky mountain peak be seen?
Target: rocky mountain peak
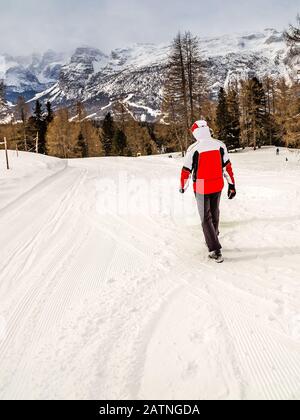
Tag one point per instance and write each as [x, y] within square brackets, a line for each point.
[136, 73]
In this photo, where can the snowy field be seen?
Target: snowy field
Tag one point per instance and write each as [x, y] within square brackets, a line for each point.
[106, 291]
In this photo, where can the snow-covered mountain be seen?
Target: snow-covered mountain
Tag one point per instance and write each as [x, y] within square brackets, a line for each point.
[136, 73]
[30, 75]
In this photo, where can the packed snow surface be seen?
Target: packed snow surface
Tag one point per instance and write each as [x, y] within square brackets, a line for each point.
[124, 304]
[26, 172]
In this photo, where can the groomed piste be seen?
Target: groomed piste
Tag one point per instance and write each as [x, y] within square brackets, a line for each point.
[125, 305]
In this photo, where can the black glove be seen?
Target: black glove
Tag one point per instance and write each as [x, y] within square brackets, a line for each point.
[181, 191]
[231, 191]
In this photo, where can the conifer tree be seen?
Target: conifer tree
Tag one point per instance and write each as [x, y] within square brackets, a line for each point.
[234, 129]
[244, 113]
[184, 88]
[269, 85]
[50, 115]
[82, 145]
[2, 91]
[119, 143]
[222, 118]
[108, 132]
[258, 112]
[254, 115]
[41, 127]
[38, 111]
[82, 137]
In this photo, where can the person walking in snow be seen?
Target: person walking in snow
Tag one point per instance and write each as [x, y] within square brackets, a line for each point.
[208, 161]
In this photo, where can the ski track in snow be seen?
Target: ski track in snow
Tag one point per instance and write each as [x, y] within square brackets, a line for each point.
[121, 307]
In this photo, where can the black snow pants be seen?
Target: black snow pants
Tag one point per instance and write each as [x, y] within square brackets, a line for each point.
[209, 210]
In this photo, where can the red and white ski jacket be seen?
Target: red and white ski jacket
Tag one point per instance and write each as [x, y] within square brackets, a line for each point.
[208, 161]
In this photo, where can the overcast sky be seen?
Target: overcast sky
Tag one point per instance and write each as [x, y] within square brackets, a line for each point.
[38, 25]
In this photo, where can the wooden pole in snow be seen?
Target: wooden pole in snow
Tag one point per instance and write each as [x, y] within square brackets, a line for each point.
[25, 143]
[17, 150]
[37, 143]
[6, 153]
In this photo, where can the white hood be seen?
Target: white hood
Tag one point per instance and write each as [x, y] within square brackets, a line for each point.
[201, 131]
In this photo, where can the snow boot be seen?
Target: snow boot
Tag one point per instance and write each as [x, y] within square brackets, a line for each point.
[217, 257]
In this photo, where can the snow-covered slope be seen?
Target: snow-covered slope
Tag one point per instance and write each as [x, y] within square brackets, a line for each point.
[26, 172]
[137, 73]
[126, 304]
